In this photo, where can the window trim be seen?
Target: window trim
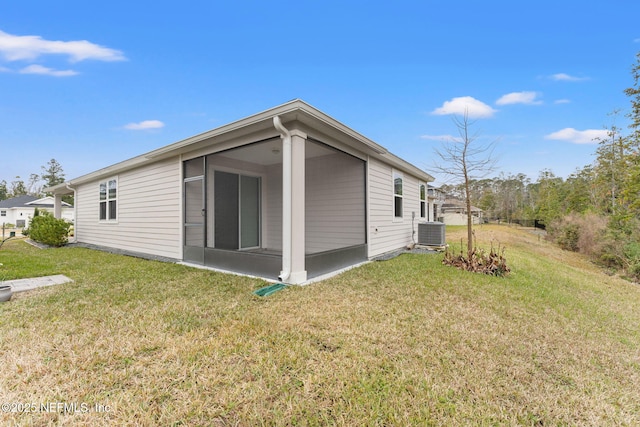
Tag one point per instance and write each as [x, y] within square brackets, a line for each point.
[397, 196]
[108, 200]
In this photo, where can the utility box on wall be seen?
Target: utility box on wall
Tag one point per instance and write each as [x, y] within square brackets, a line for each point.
[431, 234]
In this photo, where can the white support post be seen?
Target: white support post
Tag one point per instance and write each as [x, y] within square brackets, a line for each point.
[57, 206]
[298, 268]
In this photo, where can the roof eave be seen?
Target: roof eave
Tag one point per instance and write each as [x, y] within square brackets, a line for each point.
[293, 110]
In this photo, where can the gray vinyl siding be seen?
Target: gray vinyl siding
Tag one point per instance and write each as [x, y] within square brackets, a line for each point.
[149, 217]
[335, 202]
[387, 233]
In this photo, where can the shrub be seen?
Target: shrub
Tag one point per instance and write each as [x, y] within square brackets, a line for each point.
[634, 271]
[567, 237]
[612, 242]
[584, 233]
[51, 231]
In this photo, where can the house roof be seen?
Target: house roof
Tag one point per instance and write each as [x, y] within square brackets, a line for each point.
[292, 111]
[27, 201]
[452, 204]
[17, 202]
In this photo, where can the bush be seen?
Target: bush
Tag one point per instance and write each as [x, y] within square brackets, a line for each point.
[567, 237]
[612, 242]
[51, 231]
[580, 233]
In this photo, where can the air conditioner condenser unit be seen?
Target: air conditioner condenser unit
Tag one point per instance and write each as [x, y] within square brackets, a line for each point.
[431, 234]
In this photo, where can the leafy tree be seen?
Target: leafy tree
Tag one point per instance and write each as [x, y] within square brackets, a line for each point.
[611, 169]
[634, 93]
[549, 197]
[631, 189]
[4, 191]
[52, 173]
[18, 188]
[580, 191]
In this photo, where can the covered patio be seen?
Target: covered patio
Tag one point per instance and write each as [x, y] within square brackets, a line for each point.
[280, 207]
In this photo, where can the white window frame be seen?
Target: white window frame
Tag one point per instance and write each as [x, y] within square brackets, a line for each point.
[397, 175]
[108, 200]
[3, 213]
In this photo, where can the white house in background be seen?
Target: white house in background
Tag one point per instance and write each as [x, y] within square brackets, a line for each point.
[288, 193]
[436, 199]
[19, 210]
[454, 212]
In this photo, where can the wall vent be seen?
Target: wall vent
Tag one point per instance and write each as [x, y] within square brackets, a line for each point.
[431, 234]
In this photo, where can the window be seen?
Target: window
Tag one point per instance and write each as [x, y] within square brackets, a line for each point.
[423, 200]
[3, 213]
[108, 200]
[397, 194]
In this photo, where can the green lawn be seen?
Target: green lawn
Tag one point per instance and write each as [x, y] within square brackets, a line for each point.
[400, 342]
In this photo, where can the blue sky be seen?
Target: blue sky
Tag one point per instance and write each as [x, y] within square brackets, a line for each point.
[91, 84]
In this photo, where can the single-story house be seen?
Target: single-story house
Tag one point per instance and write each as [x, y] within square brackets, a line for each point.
[454, 212]
[19, 210]
[289, 193]
[436, 198]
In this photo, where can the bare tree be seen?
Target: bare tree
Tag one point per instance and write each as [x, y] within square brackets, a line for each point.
[33, 187]
[464, 159]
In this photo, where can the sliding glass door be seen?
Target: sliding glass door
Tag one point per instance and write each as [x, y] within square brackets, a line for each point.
[236, 211]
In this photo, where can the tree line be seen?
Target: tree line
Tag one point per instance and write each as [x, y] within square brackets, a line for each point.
[595, 210]
[51, 174]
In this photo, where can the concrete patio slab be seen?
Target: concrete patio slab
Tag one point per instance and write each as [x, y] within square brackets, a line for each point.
[20, 285]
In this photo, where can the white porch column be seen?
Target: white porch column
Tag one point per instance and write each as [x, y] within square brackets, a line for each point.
[297, 225]
[57, 206]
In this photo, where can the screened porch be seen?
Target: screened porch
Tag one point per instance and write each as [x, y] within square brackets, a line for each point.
[233, 209]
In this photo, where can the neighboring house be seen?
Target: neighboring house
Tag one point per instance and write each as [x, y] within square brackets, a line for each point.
[288, 193]
[19, 210]
[454, 212]
[436, 199]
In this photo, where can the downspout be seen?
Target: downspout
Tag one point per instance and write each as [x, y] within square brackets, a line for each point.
[286, 198]
[75, 213]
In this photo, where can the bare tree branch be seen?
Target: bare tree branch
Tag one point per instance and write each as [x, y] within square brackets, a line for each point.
[464, 159]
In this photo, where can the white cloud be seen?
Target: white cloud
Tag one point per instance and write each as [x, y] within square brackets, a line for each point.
[465, 105]
[39, 69]
[524, 97]
[562, 77]
[562, 101]
[15, 48]
[441, 138]
[578, 136]
[145, 125]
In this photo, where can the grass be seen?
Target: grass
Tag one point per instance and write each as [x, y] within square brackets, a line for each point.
[400, 342]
